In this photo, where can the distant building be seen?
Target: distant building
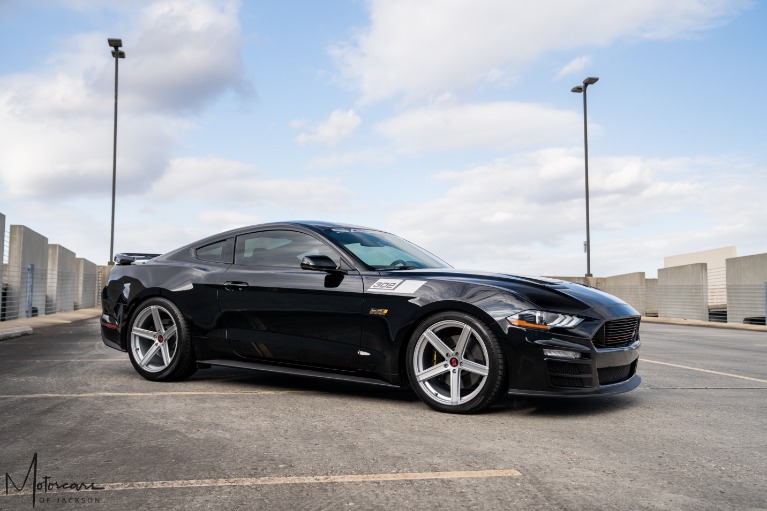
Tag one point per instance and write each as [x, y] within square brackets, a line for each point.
[716, 261]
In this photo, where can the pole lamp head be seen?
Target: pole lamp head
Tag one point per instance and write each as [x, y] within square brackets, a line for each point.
[577, 89]
[591, 80]
[116, 44]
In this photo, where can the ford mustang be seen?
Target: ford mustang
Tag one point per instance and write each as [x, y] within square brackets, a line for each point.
[351, 303]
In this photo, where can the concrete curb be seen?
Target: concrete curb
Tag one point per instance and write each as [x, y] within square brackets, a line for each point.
[24, 326]
[13, 332]
[693, 322]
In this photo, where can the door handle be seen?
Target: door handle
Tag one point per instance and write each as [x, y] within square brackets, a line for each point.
[235, 285]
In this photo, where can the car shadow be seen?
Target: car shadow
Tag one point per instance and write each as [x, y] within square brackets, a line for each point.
[547, 407]
[278, 381]
[555, 407]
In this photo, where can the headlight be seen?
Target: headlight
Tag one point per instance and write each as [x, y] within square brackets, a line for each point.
[543, 320]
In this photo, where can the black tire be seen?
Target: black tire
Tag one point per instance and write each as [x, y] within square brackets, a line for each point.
[450, 348]
[159, 343]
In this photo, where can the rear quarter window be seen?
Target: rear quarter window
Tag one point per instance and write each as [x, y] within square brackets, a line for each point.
[218, 252]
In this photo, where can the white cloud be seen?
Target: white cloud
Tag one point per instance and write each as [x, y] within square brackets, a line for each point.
[574, 66]
[417, 49]
[339, 126]
[186, 54]
[225, 220]
[527, 214]
[366, 157]
[56, 124]
[501, 125]
[218, 180]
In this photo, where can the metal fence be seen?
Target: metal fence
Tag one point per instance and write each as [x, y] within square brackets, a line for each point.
[30, 291]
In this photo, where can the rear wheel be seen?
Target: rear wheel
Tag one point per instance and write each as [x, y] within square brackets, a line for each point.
[455, 363]
[160, 346]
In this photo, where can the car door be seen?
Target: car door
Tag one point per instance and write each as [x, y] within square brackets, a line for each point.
[275, 311]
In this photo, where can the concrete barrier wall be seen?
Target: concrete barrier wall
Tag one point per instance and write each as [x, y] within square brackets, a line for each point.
[62, 274]
[27, 247]
[629, 287]
[683, 292]
[86, 292]
[746, 277]
[60, 281]
[651, 296]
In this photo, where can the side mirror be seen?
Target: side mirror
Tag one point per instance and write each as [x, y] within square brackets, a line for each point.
[318, 263]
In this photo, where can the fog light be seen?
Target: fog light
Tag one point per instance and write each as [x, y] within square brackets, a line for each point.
[561, 354]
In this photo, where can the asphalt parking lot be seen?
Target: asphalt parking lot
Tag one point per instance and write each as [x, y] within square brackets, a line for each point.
[693, 436]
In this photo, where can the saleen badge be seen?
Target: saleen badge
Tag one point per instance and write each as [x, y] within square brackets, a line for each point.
[398, 286]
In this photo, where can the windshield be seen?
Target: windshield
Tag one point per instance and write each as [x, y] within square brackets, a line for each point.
[383, 251]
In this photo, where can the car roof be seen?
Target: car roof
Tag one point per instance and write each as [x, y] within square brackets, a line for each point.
[313, 225]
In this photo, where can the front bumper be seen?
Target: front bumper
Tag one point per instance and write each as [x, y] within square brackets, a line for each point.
[596, 371]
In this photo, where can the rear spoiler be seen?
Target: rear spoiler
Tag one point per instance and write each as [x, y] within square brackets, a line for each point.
[133, 258]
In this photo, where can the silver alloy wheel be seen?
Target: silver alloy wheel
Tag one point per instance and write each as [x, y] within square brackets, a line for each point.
[154, 338]
[450, 362]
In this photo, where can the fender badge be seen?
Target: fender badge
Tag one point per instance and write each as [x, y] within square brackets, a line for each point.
[379, 312]
[396, 286]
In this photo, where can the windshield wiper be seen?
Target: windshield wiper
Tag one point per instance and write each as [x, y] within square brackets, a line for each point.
[399, 268]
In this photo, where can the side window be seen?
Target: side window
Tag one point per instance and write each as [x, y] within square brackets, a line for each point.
[279, 248]
[215, 252]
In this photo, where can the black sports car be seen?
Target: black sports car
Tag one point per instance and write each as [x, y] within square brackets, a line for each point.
[352, 303]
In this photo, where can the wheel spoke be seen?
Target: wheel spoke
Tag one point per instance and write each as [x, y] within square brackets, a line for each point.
[432, 372]
[170, 332]
[455, 387]
[157, 321]
[463, 340]
[440, 346]
[474, 367]
[149, 354]
[146, 334]
[165, 353]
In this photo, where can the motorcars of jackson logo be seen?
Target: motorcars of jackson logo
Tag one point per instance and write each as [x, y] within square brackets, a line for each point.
[41, 486]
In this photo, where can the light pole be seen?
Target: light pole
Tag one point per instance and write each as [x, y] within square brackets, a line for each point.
[118, 54]
[591, 80]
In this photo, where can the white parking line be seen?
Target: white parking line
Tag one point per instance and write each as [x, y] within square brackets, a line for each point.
[131, 394]
[256, 481]
[36, 360]
[703, 370]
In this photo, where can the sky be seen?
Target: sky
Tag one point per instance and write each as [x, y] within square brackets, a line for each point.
[451, 123]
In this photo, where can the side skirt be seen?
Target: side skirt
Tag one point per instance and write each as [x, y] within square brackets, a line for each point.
[241, 364]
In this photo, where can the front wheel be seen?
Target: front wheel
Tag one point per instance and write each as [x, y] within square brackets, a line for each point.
[160, 346]
[455, 363]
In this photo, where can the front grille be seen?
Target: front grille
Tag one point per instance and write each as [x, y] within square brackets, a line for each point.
[608, 375]
[617, 333]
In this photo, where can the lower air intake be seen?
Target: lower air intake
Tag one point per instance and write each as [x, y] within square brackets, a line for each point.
[617, 374]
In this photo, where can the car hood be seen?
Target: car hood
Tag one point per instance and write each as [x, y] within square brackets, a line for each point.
[541, 292]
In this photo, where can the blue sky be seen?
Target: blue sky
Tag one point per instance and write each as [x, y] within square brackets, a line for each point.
[448, 122]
